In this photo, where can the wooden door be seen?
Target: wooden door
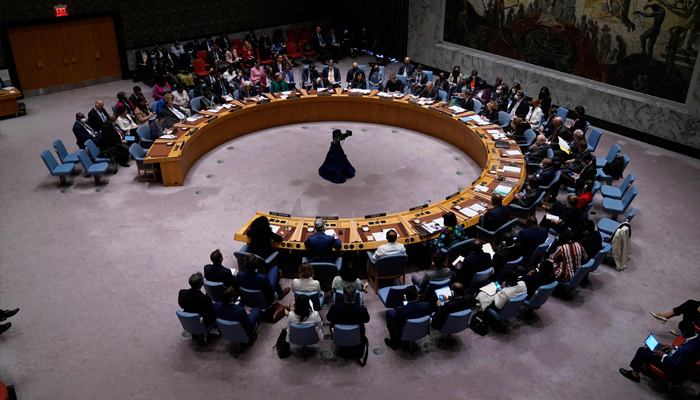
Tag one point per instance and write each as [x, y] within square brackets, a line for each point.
[104, 47]
[79, 47]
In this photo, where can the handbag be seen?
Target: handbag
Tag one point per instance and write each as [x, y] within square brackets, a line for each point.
[478, 324]
[283, 348]
[276, 312]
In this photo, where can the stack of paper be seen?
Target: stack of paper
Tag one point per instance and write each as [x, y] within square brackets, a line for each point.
[477, 207]
[330, 232]
[480, 188]
[274, 228]
[512, 169]
[381, 236]
[513, 152]
[490, 289]
[287, 92]
[457, 109]
[469, 212]
[503, 190]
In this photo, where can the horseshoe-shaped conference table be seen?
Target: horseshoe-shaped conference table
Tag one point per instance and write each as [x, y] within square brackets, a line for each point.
[504, 169]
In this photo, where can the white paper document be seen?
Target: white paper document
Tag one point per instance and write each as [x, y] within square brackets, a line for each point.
[513, 152]
[511, 169]
[493, 131]
[480, 188]
[488, 249]
[469, 212]
[477, 207]
[330, 232]
[275, 228]
[381, 236]
[503, 190]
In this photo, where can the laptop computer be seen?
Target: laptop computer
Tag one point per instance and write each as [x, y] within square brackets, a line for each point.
[501, 144]
[651, 342]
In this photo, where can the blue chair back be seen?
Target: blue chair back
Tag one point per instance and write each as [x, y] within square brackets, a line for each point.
[479, 280]
[490, 236]
[477, 106]
[338, 297]
[513, 264]
[430, 75]
[401, 78]
[60, 150]
[530, 136]
[593, 139]
[303, 334]
[443, 95]
[614, 150]
[92, 149]
[49, 160]
[114, 110]
[579, 275]
[394, 295]
[84, 159]
[562, 112]
[154, 106]
[550, 153]
[510, 309]
[541, 295]
[195, 103]
[214, 290]
[253, 298]
[346, 335]
[587, 125]
[393, 265]
[144, 132]
[456, 322]
[462, 247]
[627, 200]
[324, 273]
[191, 322]
[191, 93]
[415, 328]
[434, 285]
[596, 187]
[630, 215]
[232, 331]
[627, 161]
[313, 297]
[588, 208]
[598, 259]
[627, 184]
[364, 70]
[503, 119]
[557, 175]
[540, 251]
[236, 95]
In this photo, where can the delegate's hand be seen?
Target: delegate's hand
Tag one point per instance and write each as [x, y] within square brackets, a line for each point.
[438, 303]
[286, 312]
[658, 353]
[665, 348]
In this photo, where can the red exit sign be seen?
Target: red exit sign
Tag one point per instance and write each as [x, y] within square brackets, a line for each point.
[60, 11]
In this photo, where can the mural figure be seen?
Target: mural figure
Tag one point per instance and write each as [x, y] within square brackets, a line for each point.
[674, 43]
[604, 44]
[659, 14]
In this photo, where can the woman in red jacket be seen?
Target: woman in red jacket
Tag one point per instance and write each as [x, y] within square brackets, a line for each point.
[586, 196]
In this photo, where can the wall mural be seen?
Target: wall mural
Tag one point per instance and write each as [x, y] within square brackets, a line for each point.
[649, 46]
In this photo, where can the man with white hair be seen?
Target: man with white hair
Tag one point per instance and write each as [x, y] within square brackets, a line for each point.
[407, 69]
[247, 90]
[322, 244]
[558, 130]
[430, 91]
[538, 150]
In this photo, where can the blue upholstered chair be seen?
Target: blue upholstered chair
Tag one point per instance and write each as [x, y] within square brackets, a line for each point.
[392, 296]
[195, 103]
[139, 154]
[56, 169]
[503, 119]
[346, 336]
[236, 95]
[269, 262]
[214, 290]
[490, 236]
[593, 139]
[578, 276]
[509, 310]
[96, 170]
[530, 136]
[539, 252]
[443, 95]
[194, 324]
[607, 178]
[63, 155]
[325, 272]
[614, 150]
[555, 183]
[94, 152]
[303, 335]
[434, 285]
[338, 297]
[596, 188]
[598, 259]
[616, 207]
[540, 297]
[429, 73]
[477, 106]
[523, 213]
[415, 329]
[315, 299]
[233, 332]
[154, 105]
[479, 280]
[456, 322]
[144, 132]
[253, 298]
[363, 68]
[562, 112]
[608, 226]
[453, 252]
[617, 193]
[387, 267]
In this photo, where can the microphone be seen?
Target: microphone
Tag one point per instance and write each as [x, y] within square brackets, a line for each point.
[424, 205]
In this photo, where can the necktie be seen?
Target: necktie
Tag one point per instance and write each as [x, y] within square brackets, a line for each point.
[177, 113]
[102, 116]
[330, 75]
[320, 39]
[223, 88]
[89, 129]
[143, 55]
[119, 131]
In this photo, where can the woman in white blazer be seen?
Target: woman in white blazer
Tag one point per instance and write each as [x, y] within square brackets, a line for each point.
[534, 117]
[306, 282]
[302, 314]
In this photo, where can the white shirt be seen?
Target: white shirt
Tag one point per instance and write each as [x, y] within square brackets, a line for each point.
[515, 108]
[535, 117]
[229, 77]
[500, 298]
[389, 249]
[126, 123]
[314, 318]
[177, 50]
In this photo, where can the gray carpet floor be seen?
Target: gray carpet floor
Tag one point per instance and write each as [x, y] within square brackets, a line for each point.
[96, 274]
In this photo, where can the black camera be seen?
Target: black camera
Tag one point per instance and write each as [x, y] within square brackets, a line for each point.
[338, 136]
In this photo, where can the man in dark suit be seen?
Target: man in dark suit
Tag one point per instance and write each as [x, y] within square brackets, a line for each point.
[216, 272]
[458, 302]
[396, 319]
[418, 80]
[192, 300]
[83, 131]
[230, 311]
[430, 91]
[269, 285]
[500, 96]
[466, 101]
[322, 245]
[171, 112]
[221, 87]
[558, 130]
[477, 261]
[394, 85]
[545, 174]
[97, 117]
[538, 150]
[509, 251]
[348, 312]
[155, 126]
[532, 236]
[214, 56]
[278, 65]
[438, 273]
[113, 143]
[407, 69]
[332, 74]
[673, 361]
[134, 98]
[320, 83]
[576, 180]
[247, 90]
[496, 216]
[317, 40]
[531, 195]
[350, 76]
[143, 64]
[575, 164]
[519, 107]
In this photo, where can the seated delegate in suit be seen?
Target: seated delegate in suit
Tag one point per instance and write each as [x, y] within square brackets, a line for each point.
[451, 233]
[321, 245]
[442, 83]
[496, 216]
[534, 116]
[269, 285]
[278, 85]
[476, 261]
[557, 130]
[394, 85]
[376, 78]
[591, 239]
[305, 281]
[437, 274]
[490, 112]
[359, 82]
[261, 236]
[113, 143]
[234, 312]
[574, 163]
[509, 251]
[172, 113]
[97, 117]
[247, 90]
[288, 76]
[458, 302]
[512, 287]
[348, 277]
[406, 69]
[545, 174]
[463, 86]
[540, 276]
[125, 122]
[134, 98]
[396, 319]
[519, 107]
[348, 312]
[208, 99]
[332, 74]
[465, 100]
[548, 119]
[221, 87]
[216, 272]
[155, 126]
[576, 180]
[569, 215]
[278, 65]
[83, 131]
[516, 130]
[182, 98]
[532, 236]
[418, 80]
[531, 194]
[580, 121]
[320, 83]
[482, 92]
[350, 76]
[192, 300]
[303, 314]
[390, 248]
[430, 92]
[568, 257]
[673, 361]
[538, 150]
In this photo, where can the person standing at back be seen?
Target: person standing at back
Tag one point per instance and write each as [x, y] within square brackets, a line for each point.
[321, 244]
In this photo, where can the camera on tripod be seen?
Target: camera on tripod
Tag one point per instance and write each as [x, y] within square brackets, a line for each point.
[338, 136]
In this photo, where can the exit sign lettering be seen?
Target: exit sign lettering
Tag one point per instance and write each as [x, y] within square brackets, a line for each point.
[60, 11]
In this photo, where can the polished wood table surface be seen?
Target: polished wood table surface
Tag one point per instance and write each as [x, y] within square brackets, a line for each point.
[8, 102]
[502, 167]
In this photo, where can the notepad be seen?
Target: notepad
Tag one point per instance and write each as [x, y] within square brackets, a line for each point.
[274, 228]
[480, 188]
[469, 212]
[167, 137]
[552, 218]
[493, 131]
[330, 232]
[513, 152]
[503, 190]
[287, 92]
[511, 169]
[489, 289]
[488, 249]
